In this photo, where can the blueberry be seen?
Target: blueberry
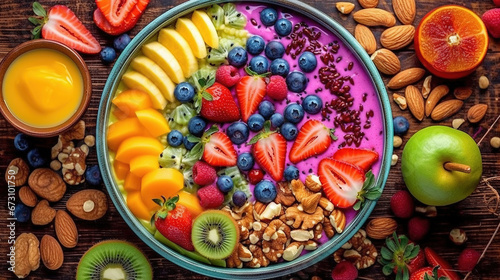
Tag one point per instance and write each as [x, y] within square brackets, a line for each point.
[312, 104]
[401, 125]
[266, 109]
[259, 64]
[22, 142]
[188, 144]
[277, 120]
[291, 173]
[256, 122]
[184, 92]
[294, 113]
[296, 81]
[22, 213]
[237, 57]
[289, 131]
[93, 175]
[268, 16]
[175, 138]
[238, 132]
[36, 158]
[108, 54]
[307, 62]
[245, 161]
[255, 45]
[225, 184]
[280, 67]
[283, 27]
[121, 42]
[274, 50]
[265, 191]
[196, 126]
[239, 198]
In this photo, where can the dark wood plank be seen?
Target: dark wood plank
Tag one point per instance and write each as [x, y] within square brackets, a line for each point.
[470, 214]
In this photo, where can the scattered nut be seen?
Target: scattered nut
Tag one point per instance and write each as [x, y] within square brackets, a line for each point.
[462, 93]
[397, 141]
[495, 142]
[27, 254]
[415, 102]
[359, 250]
[292, 251]
[456, 123]
[85, 149]
[446, 109]
[42, 214]
[476, 113]
[17, 172]
[51, 252]
[381, 228]
[66, 230]
[27, 196]
[428, 211]
[55, 165]
[394, 159]
[301, 235]
[345, 7]
[400, 100]
[435, 95]
[426, 87]
[368, 3]
[75, 204]
[284, 194]
[458, 236]
[47, 184]
[483, 82]
[313, 183]
[338, 220]
[89, 140]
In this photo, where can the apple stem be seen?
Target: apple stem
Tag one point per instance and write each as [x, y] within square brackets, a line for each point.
[453, 166]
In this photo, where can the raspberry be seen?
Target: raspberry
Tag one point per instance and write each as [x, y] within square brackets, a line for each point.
[497, 3]
[276, 88]
[344, 271]
[255, 176]
[210, 197]
[418, 228]
[227, 75]
[402, 204]
[491, 19]
[203, 174]
[468, 260]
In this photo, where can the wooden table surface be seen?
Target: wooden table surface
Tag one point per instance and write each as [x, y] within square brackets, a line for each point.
[470, 214]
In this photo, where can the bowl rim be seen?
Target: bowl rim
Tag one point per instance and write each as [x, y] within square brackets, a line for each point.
[274, 270]
[27, 46]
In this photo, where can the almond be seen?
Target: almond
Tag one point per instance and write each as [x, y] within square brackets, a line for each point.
[47, 184]
[405, 10]
[338, 220]
[427, 86]
[42, 214]
[66, 230]
[51, 252]
[345, 7]
[462, 93]
[406, 77]
[88, 204]
[386, 61]
[374, 17]
[366, 38]
[27, 196]
[397, 37]
[446, 109]
[476, 113]
[368, 3]
[415, 102]
[436, 94]
[380, 228]
[400, 100]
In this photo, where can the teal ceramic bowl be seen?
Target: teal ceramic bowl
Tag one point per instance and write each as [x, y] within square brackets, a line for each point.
[274, 270]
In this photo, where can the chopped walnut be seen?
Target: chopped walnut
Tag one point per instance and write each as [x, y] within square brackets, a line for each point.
[71, 177]
[338, 220]
[257, 232]
[273, 249]
[318, 231]
[326, 204]
[293, 250]
[73, 168]
[310, 245]
[271, 211]
[328, 228]
[246, 220]
[240, 255]
[270, 233]
[304, 220]
[284, 194]
[77, 132]
[359, 250]
[259, 259]
[312, 183]
[301, 234]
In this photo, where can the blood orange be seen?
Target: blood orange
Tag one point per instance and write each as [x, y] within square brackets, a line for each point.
[451, 41]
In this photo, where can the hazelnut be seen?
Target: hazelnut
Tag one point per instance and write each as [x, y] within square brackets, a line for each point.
[483, 82]
[428, 211]
[394, 159]
[495, 142]
[458, 236]
[397, 141]
[456, 123]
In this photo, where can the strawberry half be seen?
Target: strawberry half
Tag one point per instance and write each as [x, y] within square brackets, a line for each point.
[269, 151]
[174, 221]
[362, 158]
[61, 24]
[218, 149]
[218, 104]
[128, 23]
[115, 11]
[341, 181]
[445, 269]
[250, 91]
[314, 138]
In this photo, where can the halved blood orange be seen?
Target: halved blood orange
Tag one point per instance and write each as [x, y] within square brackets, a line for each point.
[451, 41]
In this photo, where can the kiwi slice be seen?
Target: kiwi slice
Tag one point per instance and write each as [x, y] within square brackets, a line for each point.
[215, 234]
[114, 260]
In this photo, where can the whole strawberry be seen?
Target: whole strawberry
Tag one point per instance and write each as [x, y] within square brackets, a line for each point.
[217, 103]
[491, 19]
[468, 260]
[418, 228]
[496, 2]
[174, 222]
[402, 204]
[401, 256]
[427, 273]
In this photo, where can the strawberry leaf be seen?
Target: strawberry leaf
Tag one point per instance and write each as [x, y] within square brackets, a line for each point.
[207, 96]
[195, 153]
[193, 139]
[332, 135]
[369, 191]
[210, 131]
[39, 10]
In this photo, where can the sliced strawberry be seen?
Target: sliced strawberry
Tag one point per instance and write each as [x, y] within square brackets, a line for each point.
[362, 158]
[250, 91]
[341, 181]
[128, 23]
[270, 153]
[62, 25]
[444, 269]
[115, 11]
[220, 105]
[314, 138]
[219, 150]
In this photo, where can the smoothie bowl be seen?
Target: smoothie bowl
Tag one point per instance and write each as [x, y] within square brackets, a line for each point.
[262, 121]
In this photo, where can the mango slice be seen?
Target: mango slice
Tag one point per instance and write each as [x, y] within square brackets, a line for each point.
[138, 145]
[124, 129]
[121, 169]
[191, 202]
[165, 182]
[132, 183]
[131, 100]
[137, 207]
[143, 164]
[153, 121]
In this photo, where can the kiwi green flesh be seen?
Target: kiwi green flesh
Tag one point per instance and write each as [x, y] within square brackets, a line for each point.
[114, 260]
[214, 235]
[180, 250]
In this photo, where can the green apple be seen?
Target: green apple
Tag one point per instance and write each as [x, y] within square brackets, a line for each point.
[423, 165]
